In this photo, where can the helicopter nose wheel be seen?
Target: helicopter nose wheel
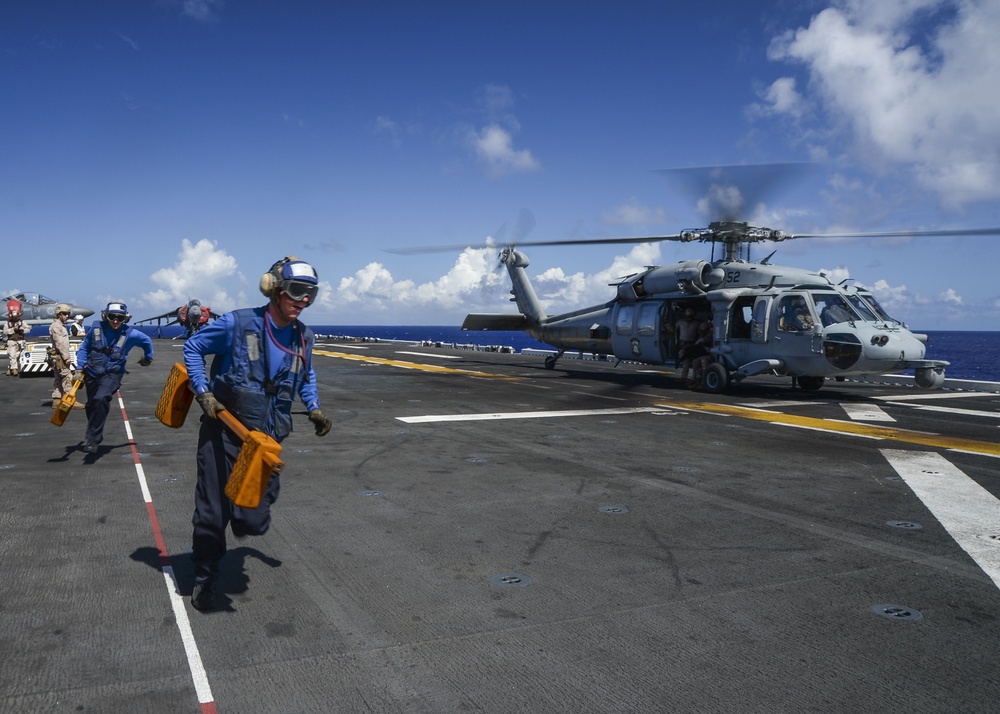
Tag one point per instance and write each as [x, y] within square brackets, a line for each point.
[716, 378]
[550, 361]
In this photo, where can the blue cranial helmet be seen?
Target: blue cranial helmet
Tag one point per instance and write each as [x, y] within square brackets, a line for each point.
[116, 308]
[296, 278]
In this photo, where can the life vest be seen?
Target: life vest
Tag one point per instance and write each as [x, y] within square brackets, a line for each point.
[247, 390]
[102, 358]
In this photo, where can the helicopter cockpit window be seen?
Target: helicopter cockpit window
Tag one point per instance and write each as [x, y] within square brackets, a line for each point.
[833, 308]
[623, 322]
[647, 319]
[794, 314]
[866, 311]
[883, 315]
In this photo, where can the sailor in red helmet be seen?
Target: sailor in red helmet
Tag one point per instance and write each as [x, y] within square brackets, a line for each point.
[14, 331]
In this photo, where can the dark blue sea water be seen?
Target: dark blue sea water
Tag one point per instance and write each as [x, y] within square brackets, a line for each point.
[973, 355]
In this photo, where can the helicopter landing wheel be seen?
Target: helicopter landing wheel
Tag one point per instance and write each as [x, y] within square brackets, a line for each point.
[716, 378]
[550, 362]
[811, 384]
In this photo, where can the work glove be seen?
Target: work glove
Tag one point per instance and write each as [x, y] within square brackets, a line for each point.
[145, 361]
[319, 420]
[209, 404]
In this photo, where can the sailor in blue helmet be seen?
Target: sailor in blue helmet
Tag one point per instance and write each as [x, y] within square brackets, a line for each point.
[102, 356]
[262, 362]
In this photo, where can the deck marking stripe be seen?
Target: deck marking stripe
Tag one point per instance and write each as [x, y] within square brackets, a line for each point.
[865, 412]
[882, 432]
[827, 431]
[435, 418]
[950, 410]
[425, 354]
[926, 395]
[198, 674]
[412, 365]
[963, 507]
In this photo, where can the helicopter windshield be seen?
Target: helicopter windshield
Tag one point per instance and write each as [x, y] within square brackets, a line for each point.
[866, 311]
[833, 308]
[874, 304]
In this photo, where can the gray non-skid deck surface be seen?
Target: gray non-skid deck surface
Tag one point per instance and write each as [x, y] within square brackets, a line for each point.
[662, 560]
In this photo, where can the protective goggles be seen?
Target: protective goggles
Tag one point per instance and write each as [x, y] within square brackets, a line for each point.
[116, 318]
[301, 291]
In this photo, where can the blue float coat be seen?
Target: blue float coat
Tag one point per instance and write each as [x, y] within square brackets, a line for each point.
[217, 338]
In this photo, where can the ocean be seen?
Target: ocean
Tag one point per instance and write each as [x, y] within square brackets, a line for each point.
[973, 355]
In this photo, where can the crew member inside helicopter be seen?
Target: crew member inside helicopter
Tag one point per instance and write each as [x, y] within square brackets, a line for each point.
[795, 315]
[687, 337]
[832, 309]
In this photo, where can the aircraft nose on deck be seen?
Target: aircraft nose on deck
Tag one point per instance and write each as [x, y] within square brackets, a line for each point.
[882, 345]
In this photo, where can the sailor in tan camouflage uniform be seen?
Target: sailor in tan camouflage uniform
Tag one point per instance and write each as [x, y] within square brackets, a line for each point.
[60, 355]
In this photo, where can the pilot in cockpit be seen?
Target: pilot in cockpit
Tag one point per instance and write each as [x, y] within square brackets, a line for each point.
[795, 315]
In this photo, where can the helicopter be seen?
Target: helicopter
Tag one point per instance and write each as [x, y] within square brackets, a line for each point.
[192, 317]
[763, 318]
[37, 309]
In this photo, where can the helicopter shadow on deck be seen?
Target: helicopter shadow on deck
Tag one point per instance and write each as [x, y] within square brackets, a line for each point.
[231, 580]
[754, 390]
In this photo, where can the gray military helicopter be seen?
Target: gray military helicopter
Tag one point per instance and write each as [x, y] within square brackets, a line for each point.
[765, 319]
[37, 309]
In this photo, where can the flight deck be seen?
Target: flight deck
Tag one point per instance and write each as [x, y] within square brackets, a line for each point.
[481, 534]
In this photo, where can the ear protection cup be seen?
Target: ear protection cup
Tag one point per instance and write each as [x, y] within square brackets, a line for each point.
[270, 280]
[267, 284]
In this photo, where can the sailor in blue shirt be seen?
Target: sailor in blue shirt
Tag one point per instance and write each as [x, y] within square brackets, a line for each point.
[102, 356]
[262, 362]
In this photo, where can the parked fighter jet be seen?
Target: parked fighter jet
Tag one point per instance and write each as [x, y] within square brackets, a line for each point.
[192, 317]
[37, 309]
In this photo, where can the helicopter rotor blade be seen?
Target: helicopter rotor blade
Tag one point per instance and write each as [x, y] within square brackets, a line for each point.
[903, 234]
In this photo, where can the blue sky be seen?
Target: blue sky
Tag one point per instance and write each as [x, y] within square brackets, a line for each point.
[154, 151]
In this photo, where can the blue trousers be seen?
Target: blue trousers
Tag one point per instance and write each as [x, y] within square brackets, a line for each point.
[213, 511]
[100, 391]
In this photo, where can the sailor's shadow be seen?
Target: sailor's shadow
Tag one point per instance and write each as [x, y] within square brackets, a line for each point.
[232, 578]
[102, 450]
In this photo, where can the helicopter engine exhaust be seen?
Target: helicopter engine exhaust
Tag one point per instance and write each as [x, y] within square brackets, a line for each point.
[691, 276]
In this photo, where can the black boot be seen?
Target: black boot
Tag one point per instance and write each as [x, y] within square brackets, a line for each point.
[203, 596]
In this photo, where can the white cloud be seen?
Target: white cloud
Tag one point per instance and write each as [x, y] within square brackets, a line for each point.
[202, 10]
[198, 273]
[475, 283]
[914, 81]
[781, 98]
[633, 213]
[951, 297]
[836, 275]
[494, 145]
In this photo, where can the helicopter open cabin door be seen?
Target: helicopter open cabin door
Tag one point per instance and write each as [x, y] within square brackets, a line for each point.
[637, 332]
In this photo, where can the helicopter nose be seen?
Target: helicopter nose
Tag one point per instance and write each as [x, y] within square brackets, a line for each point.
[894, 345]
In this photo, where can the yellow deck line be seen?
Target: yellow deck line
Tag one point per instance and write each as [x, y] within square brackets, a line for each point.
[411, 365]
[857, 429]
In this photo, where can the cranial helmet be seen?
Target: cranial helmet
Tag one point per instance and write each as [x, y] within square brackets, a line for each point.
[293, 276]
[116, 307]
[63, 307]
